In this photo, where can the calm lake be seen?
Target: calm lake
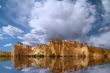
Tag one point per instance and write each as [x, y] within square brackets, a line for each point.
[54, 65]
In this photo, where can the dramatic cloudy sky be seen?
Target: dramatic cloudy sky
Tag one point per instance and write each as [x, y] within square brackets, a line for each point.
[38, 21]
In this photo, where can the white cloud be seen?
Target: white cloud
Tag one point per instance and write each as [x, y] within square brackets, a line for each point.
[12, 31]
[34, 70]
[31, 38]
[1, 36]
[0, 6]
[62, 19]
[104, 28]
[58, 19]
[106, 4]
[65, 19]
[8, 67]
[8, 45]
[102, 40]
[103, 68]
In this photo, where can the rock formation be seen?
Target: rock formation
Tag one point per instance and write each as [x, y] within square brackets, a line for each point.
[21, 50]
[61, 48]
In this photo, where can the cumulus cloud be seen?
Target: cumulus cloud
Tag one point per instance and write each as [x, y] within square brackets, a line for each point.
[64, 19]
[12, 31]
[8, 45]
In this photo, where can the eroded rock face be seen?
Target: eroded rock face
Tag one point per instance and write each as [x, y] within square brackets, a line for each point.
[60, 48]
[40, 49]
[20, 49]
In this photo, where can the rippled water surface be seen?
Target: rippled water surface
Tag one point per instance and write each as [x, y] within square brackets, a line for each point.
[54, 65]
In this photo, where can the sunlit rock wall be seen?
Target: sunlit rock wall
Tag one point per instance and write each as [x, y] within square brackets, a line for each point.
[21, 50]
[60, 48]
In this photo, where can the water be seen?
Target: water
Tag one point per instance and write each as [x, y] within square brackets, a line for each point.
[54, 65]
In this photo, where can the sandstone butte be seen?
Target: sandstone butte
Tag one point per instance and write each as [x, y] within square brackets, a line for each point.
[60, 48]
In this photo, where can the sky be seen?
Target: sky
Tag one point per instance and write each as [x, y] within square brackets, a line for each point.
[38, 21]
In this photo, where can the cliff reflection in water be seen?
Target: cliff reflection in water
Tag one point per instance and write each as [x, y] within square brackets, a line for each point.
[21, 62]
[56, 65]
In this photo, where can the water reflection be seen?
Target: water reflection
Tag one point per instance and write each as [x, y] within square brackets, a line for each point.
[2, 59]
[56, 65]
[21, 62]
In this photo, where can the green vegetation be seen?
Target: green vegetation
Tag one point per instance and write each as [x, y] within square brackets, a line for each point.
[39, 55]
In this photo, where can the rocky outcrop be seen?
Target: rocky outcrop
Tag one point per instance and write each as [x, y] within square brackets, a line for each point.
[67, 48]
[21, 50]
[40, 49]
[97, 52]
[61, 48]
